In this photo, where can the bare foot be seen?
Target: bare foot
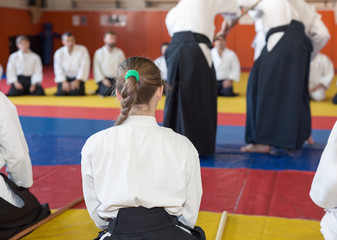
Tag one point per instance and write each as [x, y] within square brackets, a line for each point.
[257, 148]
[310, 141]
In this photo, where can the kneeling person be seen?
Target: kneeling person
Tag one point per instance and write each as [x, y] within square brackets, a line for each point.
[19, 208]
[157, 189]
[24, 70]
[106, 62]
[227, 67]
[71, 67]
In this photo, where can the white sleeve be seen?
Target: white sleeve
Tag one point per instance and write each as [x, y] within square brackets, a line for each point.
[98, 73]
[89, 193]
[121, 58]
[11, 71]
[83, 72]
[324, 186]
[37, 71]
[328, 71]
[193, 192]
[319, 35]
[228, 8]
[235, 69]
[60, 75]
[13, 147]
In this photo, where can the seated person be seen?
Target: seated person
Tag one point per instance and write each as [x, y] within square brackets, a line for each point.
[71, 67]
[321, 74]
[19, 208]
[106, 62]
[324, 187]
[24, 70]
[161, 62]
[155, 172]
[227, 67]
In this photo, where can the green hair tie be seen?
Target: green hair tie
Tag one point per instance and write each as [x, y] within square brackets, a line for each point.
[132, 73]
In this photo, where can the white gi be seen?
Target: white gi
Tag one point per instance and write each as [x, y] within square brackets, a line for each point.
[106, 63]
[26, 64]
[140, 163]
[75, 65]
[161, 64]
[324, 187]
[13, 152]
[321, 72]
[281, 12]
[198, 17]
[260, 37]
[227, 66]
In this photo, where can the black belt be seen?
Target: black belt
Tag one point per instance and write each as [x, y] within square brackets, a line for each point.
[188, 36]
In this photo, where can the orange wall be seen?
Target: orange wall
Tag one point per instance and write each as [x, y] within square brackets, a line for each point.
[143, 35]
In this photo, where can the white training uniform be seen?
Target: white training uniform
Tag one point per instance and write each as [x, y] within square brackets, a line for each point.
[137, 164]
[106, 63]
[198, 16]
[282, 12]
[324, 187]
[260, 37]
[75, 65]
[13, 152]
[227, 66]
[321, 72]
[26, 64]
[161, 64]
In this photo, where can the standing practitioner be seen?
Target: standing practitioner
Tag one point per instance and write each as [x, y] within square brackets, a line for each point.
[19, 208]
[191, 106]
[24, 70]
[155, 171]
[278, 109]
[71, 67]
[106, 62]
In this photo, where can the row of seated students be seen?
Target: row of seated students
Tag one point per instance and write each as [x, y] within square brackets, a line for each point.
[72, 66]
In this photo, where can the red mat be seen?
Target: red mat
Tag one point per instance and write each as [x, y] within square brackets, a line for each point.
[240, 191]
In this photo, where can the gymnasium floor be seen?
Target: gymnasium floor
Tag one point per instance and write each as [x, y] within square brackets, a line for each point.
[267, 196]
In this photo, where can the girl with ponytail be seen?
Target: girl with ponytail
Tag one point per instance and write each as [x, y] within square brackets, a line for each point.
[141, 180]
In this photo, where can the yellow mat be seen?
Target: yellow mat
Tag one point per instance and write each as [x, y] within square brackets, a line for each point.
[225, 105]
[76, 224]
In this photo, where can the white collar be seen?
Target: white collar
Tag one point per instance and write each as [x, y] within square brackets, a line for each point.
[140, 120]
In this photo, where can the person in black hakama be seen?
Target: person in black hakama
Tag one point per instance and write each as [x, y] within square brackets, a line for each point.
[191, 105]
[278, 109]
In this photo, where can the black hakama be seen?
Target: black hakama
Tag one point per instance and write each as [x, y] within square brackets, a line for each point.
[137, 223]
[278, 109]
[191, 105]
[26, 83]
[78, 92]
[14, 219]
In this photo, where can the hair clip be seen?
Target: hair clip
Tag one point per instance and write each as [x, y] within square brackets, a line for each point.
[132, 73]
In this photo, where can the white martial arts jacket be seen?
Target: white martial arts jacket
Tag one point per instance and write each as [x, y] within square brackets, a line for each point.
[198, 16]
[281, 12]
[13, 151]
[324, 186]
[76, 64]
[26, 64]
[227, 66]
[161, 64]
[106, 63]
[140, 163]
[321, 71]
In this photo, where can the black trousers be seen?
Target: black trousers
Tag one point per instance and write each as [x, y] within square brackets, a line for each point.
[14, 219]
[148, 224]
[227, 92]
[77, 92]
[191, 105]
[104, 90]
[26, 83]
